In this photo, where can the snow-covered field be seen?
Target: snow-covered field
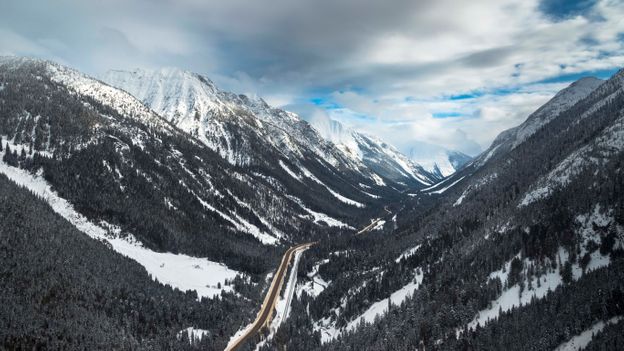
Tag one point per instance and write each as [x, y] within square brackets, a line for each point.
[180, 271]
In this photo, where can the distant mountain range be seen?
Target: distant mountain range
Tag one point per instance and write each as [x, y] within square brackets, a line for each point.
[194, 104]
[373, 152]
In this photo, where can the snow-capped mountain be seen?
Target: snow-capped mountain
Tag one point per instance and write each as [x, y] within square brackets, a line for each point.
[379, 156]
[436, 159]
[563, 100]
[247, 131]
[115, 160]
[194, 104]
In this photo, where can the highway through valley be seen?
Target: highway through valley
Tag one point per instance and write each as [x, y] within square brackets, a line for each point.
[265, 314]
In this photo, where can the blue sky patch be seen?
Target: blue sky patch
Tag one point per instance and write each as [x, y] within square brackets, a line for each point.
[563, 9]
[325, 103]
[448, 114]
[465, 96]
[602, 74]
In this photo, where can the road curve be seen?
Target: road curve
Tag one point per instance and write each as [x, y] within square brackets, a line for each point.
[266, 310]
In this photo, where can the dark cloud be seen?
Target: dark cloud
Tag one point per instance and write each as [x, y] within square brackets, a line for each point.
[487, 58]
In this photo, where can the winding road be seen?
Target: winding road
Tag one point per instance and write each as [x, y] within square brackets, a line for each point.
[265, 314]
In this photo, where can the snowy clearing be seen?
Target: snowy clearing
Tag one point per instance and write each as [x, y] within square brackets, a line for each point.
[241, 224]
[379, 226]
[192, 334]
[380, 308]
[316, 285]
[377, 179]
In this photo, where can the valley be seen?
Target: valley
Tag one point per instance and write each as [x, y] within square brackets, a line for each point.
[200, 204]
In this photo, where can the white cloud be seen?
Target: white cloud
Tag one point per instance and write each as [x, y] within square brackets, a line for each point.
[395, 64]
[404, 122]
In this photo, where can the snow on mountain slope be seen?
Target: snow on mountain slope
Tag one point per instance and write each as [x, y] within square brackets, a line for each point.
[608, 144]
[563, 100]
[249, 133]
[599, 149]
[329, 331]
[580, 341]
[184, 272]
[379, 156]
[127, 163]
[436, 159]
[83, 85]
[194, 104]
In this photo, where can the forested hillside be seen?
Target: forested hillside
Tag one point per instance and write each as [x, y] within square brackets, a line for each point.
[63, 290]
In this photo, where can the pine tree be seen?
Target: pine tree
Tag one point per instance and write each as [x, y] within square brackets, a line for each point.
[566, 273]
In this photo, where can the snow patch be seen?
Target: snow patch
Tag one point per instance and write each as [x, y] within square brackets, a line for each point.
[335, 194]
[192, 334]
[447, 187]
[319, 217]
[289, 171]
[407, 253]
[316, 285]
[377, 179]
[514, 297]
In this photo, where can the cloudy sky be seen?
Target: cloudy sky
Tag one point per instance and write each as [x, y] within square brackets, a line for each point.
[453, 73]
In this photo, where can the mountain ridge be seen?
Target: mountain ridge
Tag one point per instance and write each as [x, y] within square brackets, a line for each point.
[152, 87]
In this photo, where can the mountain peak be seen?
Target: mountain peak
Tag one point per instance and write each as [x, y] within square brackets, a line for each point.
[574, 92]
